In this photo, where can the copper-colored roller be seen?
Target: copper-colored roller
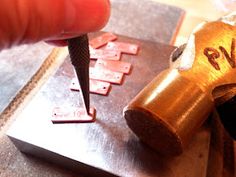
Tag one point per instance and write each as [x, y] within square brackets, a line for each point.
[168, 111]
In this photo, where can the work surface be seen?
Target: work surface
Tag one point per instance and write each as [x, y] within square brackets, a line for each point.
[106, 147]
[14, 163]
[130, 18]
[164, 25]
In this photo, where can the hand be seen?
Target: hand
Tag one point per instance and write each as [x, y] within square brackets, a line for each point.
[29, 21]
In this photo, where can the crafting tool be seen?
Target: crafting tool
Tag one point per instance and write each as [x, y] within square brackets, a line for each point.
[167, 112]
[79, 54]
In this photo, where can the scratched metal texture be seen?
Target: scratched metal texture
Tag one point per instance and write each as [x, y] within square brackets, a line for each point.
[145, 19]
[106, 147]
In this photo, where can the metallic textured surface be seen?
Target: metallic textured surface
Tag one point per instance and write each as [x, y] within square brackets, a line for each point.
[79, 51]
[144, 19]
[107, 146]
[80, 58]
[16, 164]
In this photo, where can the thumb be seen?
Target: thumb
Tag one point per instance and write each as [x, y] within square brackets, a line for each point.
[28, 21]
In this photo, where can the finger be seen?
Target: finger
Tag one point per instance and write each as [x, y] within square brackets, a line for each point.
[27, 21]
[59, 43]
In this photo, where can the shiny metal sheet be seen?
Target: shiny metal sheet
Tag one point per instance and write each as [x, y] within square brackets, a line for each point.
[106, 147]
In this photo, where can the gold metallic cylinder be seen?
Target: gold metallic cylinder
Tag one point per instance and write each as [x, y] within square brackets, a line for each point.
[168, 111]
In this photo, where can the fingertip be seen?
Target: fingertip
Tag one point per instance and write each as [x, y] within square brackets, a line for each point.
[37, 20]
[82, 17]
[58, 43]
[86, 16]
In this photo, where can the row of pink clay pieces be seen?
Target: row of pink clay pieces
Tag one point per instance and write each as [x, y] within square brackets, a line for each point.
[108, 68]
